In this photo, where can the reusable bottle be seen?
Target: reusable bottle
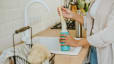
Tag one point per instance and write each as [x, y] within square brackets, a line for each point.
[65, 47]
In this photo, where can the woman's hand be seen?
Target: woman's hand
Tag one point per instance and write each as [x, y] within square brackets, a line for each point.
[70, 15]
[69, 40]
[66, 12]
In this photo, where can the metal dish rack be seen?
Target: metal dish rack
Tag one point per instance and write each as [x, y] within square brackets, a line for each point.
[17, 59]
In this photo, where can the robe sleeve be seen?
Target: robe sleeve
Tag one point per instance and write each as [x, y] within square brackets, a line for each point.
[104, 37]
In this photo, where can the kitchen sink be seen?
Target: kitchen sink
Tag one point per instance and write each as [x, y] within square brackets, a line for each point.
[53, 45]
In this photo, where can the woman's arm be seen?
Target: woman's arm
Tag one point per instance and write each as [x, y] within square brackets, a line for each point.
[69, 14]
[70, 41]
[101, 39]
[104, 37]
[78, 18]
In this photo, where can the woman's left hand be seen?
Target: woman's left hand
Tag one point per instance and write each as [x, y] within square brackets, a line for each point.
[69, 40]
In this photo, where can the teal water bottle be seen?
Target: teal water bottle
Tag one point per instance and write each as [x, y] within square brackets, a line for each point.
[64, 48]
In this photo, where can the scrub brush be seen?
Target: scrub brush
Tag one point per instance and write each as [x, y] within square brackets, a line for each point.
[63, 31]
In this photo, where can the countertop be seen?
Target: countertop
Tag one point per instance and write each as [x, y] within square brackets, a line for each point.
[65, 59]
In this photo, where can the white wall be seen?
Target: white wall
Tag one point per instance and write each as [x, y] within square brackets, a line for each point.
[12, 18]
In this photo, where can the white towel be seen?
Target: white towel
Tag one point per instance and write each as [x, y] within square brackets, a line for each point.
[5, 55]
[21, 51]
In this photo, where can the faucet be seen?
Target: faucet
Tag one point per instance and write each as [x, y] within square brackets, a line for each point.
[26, 34]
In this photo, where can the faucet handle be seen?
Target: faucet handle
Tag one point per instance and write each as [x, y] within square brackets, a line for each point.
[22, 29]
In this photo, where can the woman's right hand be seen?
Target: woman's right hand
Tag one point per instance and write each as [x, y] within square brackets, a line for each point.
[70, 15]
[65, 12]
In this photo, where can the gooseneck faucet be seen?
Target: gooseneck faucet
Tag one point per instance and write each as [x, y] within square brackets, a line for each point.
[26, 35]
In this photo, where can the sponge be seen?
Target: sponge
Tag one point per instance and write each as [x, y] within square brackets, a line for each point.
[38, 54]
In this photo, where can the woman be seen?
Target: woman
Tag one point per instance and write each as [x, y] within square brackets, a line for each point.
[99, 23]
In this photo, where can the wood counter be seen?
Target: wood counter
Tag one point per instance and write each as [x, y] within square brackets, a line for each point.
[65, 59]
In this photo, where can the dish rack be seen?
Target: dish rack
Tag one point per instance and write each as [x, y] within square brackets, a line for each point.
[22, 59]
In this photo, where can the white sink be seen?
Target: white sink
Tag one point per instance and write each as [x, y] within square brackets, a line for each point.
[53, 45]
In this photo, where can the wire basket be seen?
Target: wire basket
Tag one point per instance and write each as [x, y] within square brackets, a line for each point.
[17, 59]
[20, 53]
